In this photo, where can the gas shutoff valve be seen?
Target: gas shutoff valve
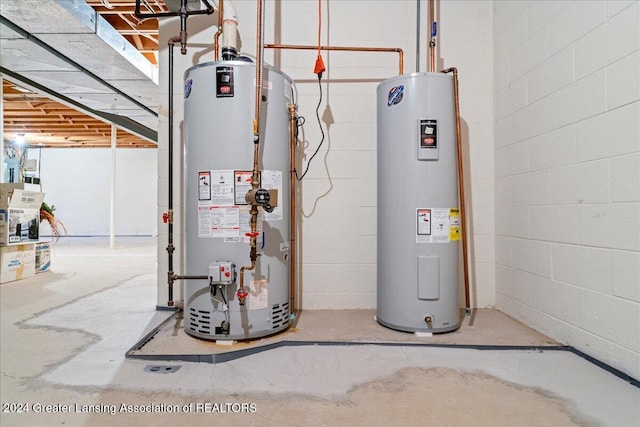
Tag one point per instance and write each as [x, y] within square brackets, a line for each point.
[268, 199]
[222, 273]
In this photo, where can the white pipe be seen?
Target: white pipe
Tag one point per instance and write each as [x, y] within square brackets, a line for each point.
[112, 216]
[229, 30]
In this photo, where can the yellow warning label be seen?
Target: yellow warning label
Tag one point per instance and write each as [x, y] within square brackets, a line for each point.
[454, 224]
[454, 233]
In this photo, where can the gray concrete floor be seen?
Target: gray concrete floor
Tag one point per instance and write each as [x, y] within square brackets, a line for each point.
[64, 335]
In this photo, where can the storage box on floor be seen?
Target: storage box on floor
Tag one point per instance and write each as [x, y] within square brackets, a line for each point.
[17, 262]
[19, 214]
[43, 256]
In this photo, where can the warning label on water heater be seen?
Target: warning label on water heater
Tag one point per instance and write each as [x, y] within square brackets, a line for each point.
[223, 212]
[437, 225]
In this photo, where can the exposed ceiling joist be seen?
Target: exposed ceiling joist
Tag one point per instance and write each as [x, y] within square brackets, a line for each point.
[46, 123]
[69, 80]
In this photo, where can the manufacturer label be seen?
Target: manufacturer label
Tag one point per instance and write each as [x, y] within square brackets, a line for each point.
[187, 88]
[224, 82]
[396, 94]
[428, 134]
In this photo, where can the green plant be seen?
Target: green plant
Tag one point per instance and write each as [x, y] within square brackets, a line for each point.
[57, 227]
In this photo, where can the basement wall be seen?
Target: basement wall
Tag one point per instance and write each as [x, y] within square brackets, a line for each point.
[567, 165]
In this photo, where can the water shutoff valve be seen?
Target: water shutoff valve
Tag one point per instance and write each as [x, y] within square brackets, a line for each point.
[222, 273]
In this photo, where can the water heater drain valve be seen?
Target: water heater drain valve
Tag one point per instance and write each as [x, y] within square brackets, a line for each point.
[222, 273]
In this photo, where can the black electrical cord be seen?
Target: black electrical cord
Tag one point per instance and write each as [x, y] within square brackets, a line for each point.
[299, 124]
[299, 178]
[224, 298]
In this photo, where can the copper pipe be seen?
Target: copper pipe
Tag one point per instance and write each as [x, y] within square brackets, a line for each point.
[259, 66]
[216, 38]
[255, 178]
[242, 294]
[432, 39]
[293, 119]
[255, 182]
[463, 222]
[344, 48]
[255, 175]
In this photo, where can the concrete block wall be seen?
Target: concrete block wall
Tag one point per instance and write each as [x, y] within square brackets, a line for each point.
[338, 196]
[567, 161]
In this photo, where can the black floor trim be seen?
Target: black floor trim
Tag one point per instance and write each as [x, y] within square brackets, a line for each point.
[237, 354]
[634, 382]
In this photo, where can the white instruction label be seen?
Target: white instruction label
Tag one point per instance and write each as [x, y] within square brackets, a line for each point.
[272, 180]
[424, 222]
[436, 225]
[242, 180]
[204, 185]
[258, 294]
[222, 209]
[222, 188]
[218, 221]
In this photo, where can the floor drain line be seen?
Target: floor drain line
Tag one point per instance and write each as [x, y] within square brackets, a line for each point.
[162, 369]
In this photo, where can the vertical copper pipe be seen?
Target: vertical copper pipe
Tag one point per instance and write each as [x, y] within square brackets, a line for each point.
[259, 67]
[463, 215]
[432, 39]
[292, 203]
[255, 175]
[216, 38]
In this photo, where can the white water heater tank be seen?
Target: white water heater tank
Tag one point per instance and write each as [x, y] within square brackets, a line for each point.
[219, 99]
[419, 228]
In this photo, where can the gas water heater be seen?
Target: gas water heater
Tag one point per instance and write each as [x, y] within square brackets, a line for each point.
[219, 100]
[418, 212]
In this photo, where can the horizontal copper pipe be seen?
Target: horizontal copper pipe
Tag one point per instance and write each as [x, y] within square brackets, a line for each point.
[345, 49]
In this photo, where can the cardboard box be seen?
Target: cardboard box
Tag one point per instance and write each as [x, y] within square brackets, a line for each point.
[43, 256]
[19, 215]
[17, 262]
